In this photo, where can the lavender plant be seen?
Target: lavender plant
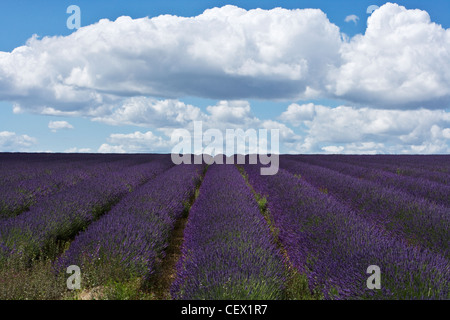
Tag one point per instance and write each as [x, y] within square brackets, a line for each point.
[61, 216]
[131, 239]
[228, 250]
[420, 221]
[417, 187]
[333, 244]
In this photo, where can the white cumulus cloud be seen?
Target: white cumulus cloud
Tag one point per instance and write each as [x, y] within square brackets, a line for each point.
[224, 53]
[12, 142]
[59, 125]
[394, 79]
[145, 112]
[137, 142]
[78, 150]
[366, 130]
[222, 116]
[402, 61]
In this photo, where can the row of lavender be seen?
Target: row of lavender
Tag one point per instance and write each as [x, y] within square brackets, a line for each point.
[132, 237]
[436, 163]
[422, 222]
[21, 167]
[21, 195]
[433, 168]
[418, 187]
[228, 250]
[334, 244]
[63, 214]
[25, 183]
[332, 225]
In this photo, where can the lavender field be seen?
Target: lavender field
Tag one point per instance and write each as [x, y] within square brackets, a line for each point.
[140, 227]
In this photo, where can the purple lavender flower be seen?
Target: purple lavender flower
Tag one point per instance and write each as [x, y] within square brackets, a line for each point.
[228, 250]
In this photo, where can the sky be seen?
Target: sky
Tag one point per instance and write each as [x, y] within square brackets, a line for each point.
[347, 77]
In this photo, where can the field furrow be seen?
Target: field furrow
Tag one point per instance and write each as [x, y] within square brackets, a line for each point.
[420, 221]
[417, 187]
[61, 216]
[140, 227]
[131, 239]
[334, 245]
[228, 250]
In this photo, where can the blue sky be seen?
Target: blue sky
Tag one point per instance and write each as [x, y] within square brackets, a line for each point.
[349, 110]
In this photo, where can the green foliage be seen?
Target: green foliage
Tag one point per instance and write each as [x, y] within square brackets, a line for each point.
[323, 190]
[19, 281]
[243, 289]
[262, 202]
[296, 283]
[131, 290]
[333, 293]
[297, 287]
